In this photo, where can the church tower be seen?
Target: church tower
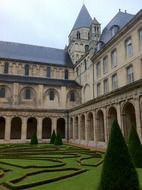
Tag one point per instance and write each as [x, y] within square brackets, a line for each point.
[79, 36]
[94, 35]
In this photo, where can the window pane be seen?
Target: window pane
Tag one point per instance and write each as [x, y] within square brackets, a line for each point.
[113, 58]
[2, 92]
[98, 89]
[26, 70]
[114, 82]
[129, 48]
[6, 67]
[48, 72]
[72, 96]
[27, 94]
[105, 65]
[130, 74]
[51, 95]
[106, 86]
[140, 37]
[66, 74]
[98, 69]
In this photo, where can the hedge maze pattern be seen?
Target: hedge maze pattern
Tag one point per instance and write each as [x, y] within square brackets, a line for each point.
[27, 166]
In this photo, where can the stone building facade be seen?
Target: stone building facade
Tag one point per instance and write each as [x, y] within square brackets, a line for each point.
[78, 91]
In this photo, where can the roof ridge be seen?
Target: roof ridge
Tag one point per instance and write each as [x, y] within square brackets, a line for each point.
[30, 45]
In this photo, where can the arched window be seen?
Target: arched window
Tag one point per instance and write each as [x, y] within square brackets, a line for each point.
[27, 70]
[51, 95]
[78, 35]
[48, 72]
[6, 68]
[66, 74]
[28, 94]
[2, 92]
[72, 96]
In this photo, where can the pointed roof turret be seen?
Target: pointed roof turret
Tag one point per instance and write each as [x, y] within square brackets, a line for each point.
[83, 20]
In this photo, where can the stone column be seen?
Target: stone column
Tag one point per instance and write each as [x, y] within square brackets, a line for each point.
[7, 129]
[24, 129]
[39, 128]
[54, 124]
[79, 128]
[119, 115]
[86, 128]
[95, 124]
[138, 119]
[105, 124]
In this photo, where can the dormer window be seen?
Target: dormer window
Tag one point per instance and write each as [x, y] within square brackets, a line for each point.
[114, 30]
[100, 45]
[78, 35]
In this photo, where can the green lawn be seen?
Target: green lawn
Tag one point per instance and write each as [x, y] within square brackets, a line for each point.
[50, 167]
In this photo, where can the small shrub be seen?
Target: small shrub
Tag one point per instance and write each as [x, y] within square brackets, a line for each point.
[135, 147]
[118, 170]
[58, 140]
[53, 137]
[34, 139]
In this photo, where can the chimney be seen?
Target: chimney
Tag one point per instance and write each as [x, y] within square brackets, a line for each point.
[125, 11]
[119, 10]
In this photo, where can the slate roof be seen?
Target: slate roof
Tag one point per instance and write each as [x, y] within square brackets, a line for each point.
[31, 53]
[38, 80]
[83, 20]
[121, 19]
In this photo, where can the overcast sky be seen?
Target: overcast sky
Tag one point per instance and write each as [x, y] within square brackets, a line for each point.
[49, 22]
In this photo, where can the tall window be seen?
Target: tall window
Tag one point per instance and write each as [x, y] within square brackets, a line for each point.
[140, 38]
[113, 58]
[6, 68]
[51, 95]
[28, 94]
[72, 96]
[98, 69]
[85, 64]
[48, 72]
[114, 30]
[78, 35]
[2, 92]
[130, 74]
[66, 74]
[128, 47]
[98, 89]
[105, 65]
[114, 82]
[27, 68]
[86, 48]
[106, 86]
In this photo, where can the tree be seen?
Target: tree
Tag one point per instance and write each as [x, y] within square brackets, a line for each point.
[58, 140]
[135, 147]
[53, 137]
[118, 170]
[34, 139]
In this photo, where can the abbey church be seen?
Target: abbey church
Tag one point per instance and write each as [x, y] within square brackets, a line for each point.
[77, 91]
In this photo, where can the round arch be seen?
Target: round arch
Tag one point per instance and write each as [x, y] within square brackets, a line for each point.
[112, 115]
[16, 125]
[61, 127]
[100, 127]
[46, 128]
[2, 127]
[31, 127]
[129, 118]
